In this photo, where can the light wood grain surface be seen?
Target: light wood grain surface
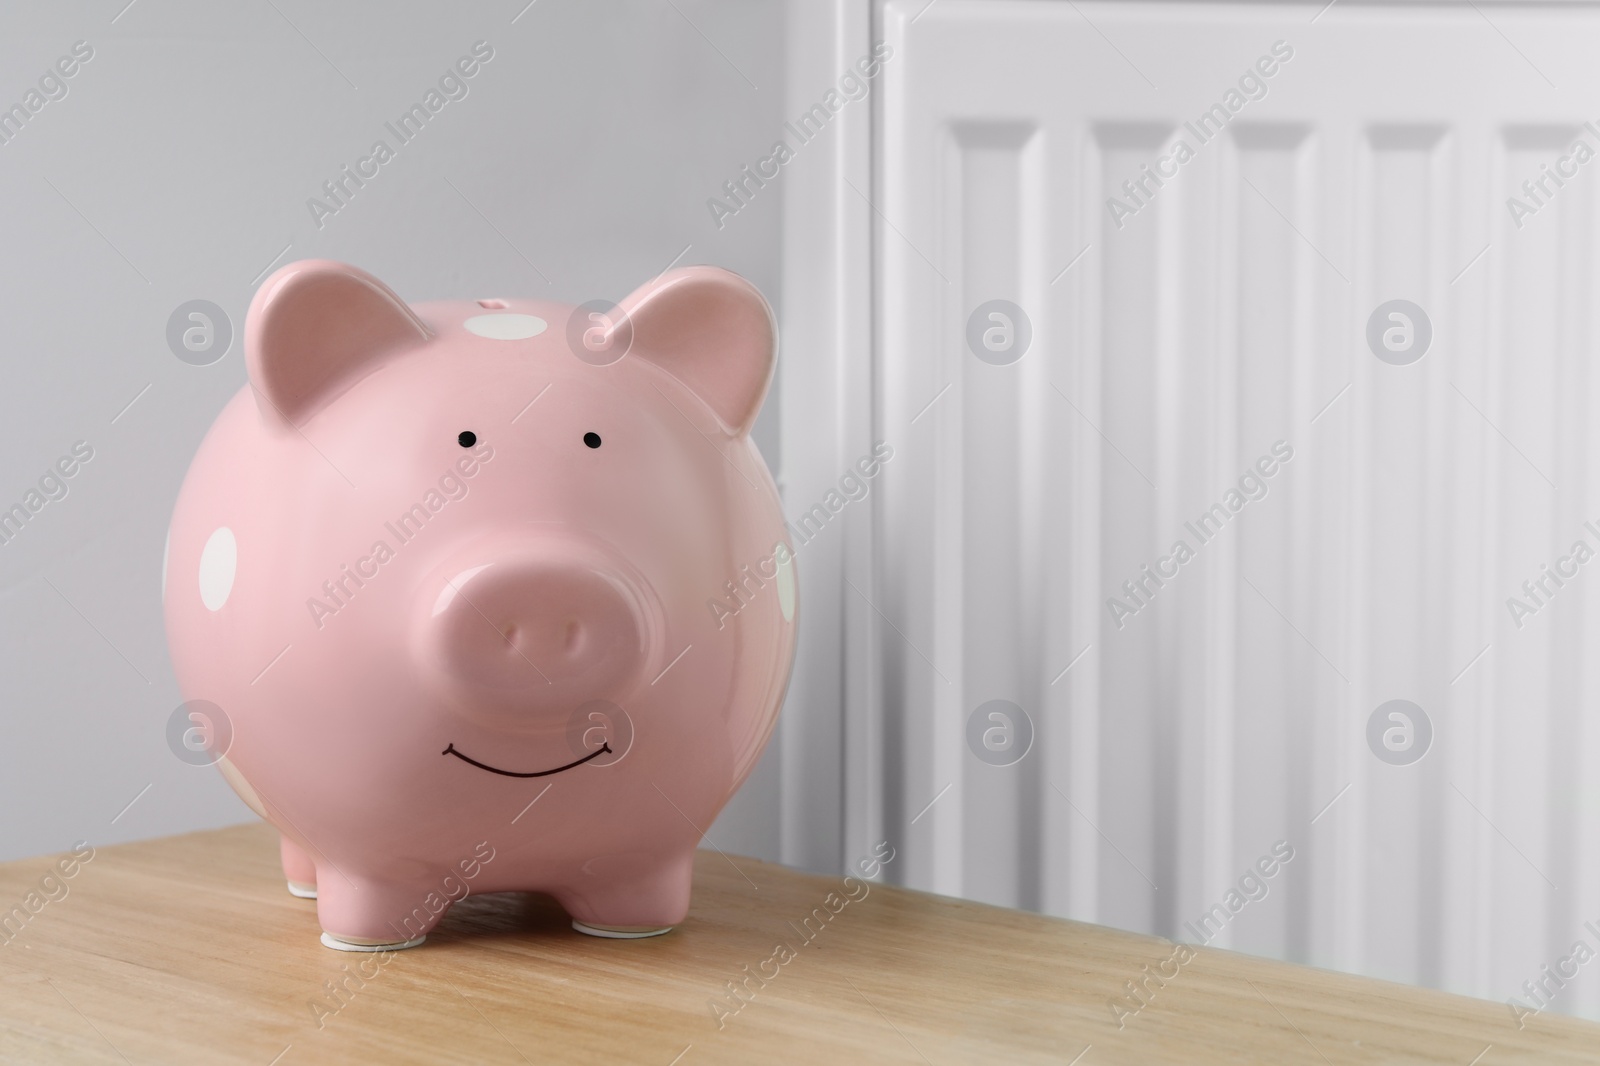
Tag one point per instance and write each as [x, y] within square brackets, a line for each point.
[189, 949]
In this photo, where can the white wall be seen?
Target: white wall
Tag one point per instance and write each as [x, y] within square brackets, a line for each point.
[178, 165]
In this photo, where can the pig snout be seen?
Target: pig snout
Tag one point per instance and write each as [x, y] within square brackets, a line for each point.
[532, 632]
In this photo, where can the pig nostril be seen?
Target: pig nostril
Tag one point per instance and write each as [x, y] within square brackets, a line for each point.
[574, 635]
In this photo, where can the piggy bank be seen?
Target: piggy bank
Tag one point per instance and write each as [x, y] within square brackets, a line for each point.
[488, 595]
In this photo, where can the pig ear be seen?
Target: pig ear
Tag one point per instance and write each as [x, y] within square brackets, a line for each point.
[314, 329]
[713, 331]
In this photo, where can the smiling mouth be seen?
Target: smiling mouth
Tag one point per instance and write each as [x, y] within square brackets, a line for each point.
[451, 750]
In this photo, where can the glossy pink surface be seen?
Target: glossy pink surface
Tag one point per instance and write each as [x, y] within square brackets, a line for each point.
[422, 645]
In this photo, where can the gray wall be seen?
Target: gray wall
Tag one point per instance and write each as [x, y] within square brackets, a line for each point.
[177, 165]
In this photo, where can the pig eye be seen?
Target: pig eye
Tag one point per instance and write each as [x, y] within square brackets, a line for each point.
[592, 439]
[467, 438]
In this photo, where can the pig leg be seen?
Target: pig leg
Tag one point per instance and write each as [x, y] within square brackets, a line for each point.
[638, 900]
[298, 869]
[365, 914]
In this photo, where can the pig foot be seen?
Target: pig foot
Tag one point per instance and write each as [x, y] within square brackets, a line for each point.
[340, 944]
[371, 915]
[298, 869]
[620, 932]
[633, 901]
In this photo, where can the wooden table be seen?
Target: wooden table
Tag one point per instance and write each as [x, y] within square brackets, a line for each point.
[189, 949]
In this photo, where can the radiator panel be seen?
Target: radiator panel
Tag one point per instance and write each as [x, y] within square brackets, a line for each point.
[1175, 342]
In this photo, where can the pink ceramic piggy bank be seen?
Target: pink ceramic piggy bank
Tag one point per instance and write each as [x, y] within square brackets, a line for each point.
[495, 596]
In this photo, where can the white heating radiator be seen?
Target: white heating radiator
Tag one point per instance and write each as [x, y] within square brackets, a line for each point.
[1178, 334]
